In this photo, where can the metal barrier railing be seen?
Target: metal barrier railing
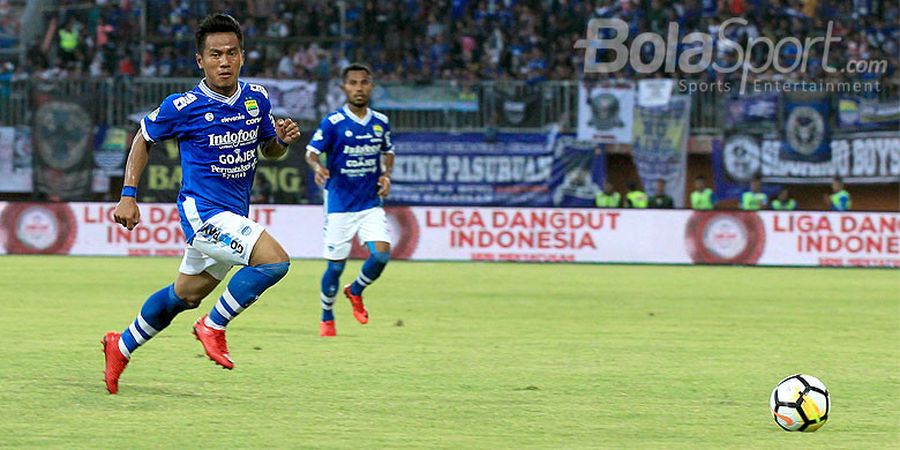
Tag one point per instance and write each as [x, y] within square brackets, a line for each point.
[115, 99]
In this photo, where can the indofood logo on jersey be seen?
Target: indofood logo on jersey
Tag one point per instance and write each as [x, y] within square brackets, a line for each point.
[361, 150]
[233, 139]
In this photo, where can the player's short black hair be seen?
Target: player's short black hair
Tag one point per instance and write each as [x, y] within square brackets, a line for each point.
[354, 67]
[218, 23]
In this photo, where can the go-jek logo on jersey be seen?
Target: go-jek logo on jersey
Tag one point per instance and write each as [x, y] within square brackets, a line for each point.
[233, 139]
[361, 150]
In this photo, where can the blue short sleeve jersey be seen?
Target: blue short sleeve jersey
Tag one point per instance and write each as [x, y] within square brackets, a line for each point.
[353, 147]
[218, 137]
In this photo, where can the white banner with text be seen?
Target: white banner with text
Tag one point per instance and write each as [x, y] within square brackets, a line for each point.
[800, 238]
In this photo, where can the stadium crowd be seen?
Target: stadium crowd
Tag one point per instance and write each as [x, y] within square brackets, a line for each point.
[421, 40]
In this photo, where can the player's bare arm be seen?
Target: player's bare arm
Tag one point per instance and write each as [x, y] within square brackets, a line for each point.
[384, 181]
[288, 132]
[127, 212]
[322, 173]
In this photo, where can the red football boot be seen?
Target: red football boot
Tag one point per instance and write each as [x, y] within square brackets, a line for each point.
[213, 341]
[326, 328]
[115, 361]
[359, 309]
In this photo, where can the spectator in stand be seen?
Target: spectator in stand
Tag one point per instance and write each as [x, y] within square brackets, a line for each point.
[126, 66]
[102, 32]
[839, 200]
[285, 64]
[702, 198]
[754, 199]
[784, 201]
[659, 199]
[426, 40]
[608, 197]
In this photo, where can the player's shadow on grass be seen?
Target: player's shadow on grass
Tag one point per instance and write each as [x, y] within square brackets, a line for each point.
[157, 391]
[134, 390]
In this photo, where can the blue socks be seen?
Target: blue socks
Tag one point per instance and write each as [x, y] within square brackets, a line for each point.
[244, 288]
[371, 270]
[159, 310]
[156, 314]
[330, 281]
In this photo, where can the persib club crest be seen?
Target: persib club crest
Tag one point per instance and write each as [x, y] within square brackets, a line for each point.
[252, 107]
[378, 130]
[741, 157]
[805, 130]
[605, 112]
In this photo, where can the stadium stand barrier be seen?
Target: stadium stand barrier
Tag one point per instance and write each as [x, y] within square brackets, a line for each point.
[117, 99]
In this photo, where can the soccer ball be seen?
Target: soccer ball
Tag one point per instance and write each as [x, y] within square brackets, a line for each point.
[800, 403]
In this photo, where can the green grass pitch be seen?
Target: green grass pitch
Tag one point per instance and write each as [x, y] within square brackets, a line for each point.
[457, 355]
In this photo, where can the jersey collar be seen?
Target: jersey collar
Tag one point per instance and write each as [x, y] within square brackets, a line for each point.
[364, 121]
[217, 96]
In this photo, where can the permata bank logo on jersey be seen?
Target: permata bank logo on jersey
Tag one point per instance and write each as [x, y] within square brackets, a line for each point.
[233, 139]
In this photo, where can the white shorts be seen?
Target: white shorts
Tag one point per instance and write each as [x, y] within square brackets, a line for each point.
[223, 241]
[371, 225]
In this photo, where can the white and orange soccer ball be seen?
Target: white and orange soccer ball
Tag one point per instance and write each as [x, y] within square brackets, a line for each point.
[800, 403]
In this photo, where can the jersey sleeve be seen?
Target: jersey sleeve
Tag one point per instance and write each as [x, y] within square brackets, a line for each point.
[164, 122]
[322, 140]
[267, 125]
[388, 145]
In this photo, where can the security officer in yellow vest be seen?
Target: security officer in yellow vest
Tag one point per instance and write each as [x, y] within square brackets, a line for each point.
[68, 42]
[703, 197]
[636, 198]
[608, 198]
[784, 201]
[839, 200]
[754, 199]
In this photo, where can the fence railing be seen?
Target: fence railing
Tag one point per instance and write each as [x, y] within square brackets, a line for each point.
[116, 101]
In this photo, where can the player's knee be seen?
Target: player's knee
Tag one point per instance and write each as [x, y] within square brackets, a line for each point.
[178, 304]
[277, 255]
[190, 297]
[382, 257]
[191, 300]
[281, 255]
[268, 251]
